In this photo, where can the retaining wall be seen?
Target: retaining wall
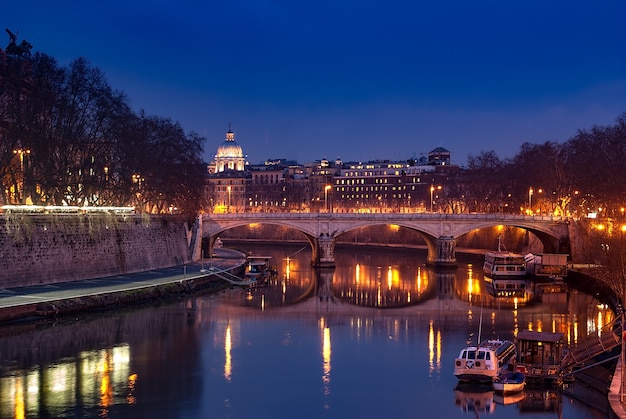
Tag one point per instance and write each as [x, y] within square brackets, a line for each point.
[49, 248]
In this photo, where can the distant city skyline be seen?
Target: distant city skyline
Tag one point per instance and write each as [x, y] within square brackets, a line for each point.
[351, 80]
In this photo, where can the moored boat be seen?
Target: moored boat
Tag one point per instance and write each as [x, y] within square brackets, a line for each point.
[484, 362]
[502, 263]
[258, 268]
[510, 382]
[539, 355]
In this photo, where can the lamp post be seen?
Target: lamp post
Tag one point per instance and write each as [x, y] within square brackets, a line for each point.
[530, 200]
[21, 151]
[326, 189]
[432, 189]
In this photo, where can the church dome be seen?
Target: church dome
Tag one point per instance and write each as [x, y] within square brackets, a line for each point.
[229, 148]
[229, 155]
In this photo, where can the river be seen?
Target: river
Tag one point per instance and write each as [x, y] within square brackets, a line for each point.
[375, 337]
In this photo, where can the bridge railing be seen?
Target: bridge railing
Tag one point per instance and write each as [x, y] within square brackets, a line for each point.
[383, 216]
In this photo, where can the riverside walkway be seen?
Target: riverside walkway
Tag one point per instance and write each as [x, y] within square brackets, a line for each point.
[19, 301]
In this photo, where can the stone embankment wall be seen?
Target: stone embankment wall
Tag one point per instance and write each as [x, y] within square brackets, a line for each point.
[582, 246]
[50, 248]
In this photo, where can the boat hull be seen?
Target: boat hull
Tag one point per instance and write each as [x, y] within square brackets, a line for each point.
[509, 383]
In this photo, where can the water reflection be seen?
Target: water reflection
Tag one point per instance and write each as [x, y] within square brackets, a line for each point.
[99, 379]
[199, 350]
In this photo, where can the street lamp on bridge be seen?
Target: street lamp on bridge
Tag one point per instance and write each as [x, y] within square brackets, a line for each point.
[326, 189]
[432, 190]
[530, 200]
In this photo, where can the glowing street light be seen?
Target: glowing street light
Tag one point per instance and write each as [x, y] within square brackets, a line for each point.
[21, 152]
[530, 200]
[432, 190]
[326, 189]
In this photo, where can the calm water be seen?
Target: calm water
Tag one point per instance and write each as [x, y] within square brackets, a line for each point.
[376, 337]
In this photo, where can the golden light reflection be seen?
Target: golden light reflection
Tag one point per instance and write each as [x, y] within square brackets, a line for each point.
[394, 227]
[95, 377]
[228, 346]
[288, 268]
[326, 355]
[473, 286]
[357, 273]
[130, 398]
[19, 399]
[106, 390]
[389, 278]
[418, 280]
[434, 349]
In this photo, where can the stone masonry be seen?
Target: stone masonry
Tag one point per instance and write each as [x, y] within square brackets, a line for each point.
[50, 248]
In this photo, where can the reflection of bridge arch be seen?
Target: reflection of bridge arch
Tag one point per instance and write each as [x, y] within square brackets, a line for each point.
[440, 231]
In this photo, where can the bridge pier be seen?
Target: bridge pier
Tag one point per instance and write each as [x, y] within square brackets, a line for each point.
[446, 252]
[325, 251]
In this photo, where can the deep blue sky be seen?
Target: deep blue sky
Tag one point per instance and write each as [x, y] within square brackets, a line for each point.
[354, 79]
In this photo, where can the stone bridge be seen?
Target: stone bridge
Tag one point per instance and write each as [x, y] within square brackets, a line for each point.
[440, 231]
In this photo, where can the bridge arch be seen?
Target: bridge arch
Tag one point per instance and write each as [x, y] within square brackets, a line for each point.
[552, 241]
[432, 242]
[440, 231]
[215, 233]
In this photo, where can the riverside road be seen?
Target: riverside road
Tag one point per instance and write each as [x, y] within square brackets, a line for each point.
[11, 298]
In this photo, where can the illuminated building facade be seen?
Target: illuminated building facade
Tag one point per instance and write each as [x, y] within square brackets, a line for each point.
[327, 186]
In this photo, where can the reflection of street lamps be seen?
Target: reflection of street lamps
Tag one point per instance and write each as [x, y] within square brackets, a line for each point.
[21, 152]
[326, 189]
[530, 200]
[228, 189]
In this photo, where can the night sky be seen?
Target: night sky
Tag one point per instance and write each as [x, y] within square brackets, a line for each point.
[359, 80]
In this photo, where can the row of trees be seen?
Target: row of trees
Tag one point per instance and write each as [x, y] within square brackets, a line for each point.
[584, 174]
[68, 138]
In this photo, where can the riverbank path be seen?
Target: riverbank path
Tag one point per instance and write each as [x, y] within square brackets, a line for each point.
[11, 298]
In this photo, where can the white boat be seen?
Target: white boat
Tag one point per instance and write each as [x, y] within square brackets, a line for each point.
[484, 362]
[510, 382]
[502, 263]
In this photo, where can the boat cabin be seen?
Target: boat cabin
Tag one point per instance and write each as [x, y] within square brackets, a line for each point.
[539, 355]
[258, 267]
[484, 362]
[551, 265]
[504, 264]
